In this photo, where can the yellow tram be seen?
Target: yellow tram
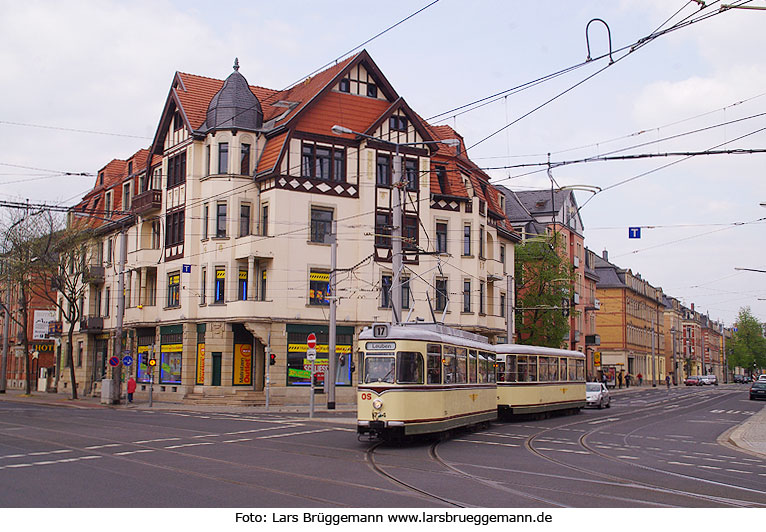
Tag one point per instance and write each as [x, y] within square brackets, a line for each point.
[538, 380]
[418, 378]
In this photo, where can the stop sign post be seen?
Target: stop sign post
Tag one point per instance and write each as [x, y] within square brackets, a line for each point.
[311, 344]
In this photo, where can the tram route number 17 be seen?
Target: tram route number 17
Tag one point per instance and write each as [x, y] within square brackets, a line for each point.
[366, 396]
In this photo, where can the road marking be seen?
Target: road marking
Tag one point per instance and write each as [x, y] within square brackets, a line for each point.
[238, 440]
[490, 443]
[38, 453]
[629, 457]
[676, 436]
[713, 460]
[710, 467]
[124, 453]
[260, 430]
[157, 440]
[292, 434]
[681, 463]
[738, 471]
[188, 445]
[206, 436]
[103, 446]
[562, 450]
[604, 420]
[49, 462]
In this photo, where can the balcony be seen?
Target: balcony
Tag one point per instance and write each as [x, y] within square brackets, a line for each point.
[148, 201]
[595, 304]
[95, 275]
[92, 324]
[592, 339]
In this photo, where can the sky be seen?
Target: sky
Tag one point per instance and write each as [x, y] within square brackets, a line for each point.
[84, 82]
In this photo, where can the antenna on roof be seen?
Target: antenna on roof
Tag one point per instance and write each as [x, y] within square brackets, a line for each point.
[236, 64]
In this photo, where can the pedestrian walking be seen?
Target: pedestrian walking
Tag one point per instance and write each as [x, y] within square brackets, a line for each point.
[667, 381]
[131, 389]
[619, 380]
[627, 380]
[640, 379]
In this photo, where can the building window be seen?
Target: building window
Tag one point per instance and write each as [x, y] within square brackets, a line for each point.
[203, 287]
[323, 162]
[441, 238]
[207, 160]
[109, 251]
[319, 287]
[466, 240]
[372, 90]
[383, 229]
[97, 303]
[244, 159]
[108, 204]
[174, 289]
[242, 292]
[344, 85]
[263, 286]
[174, 228]
[441, 177]
[156, 234]
[410, 232]
[107, 297]
[321, 225]
[405, 292]
[481, 242]
[502, 305]
[502, 256]
[177, 170]
[383, 173]
[385, 291]
[481, 297]
[411, 174]
[205, 220]
[441, 294]
[467, 296]
[397, 123]
[178, 122]
[79, 354]
[220, 284]
[126, 196]
[220, 220]
[223, 157]
[264, 220]
[244, 219]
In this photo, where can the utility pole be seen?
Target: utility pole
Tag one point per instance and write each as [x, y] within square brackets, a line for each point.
[510, 312]
[268, 366]
[329, 378]
[6, 332]
[675, 364]
[117, 371]
[654, 361]
[396, 240]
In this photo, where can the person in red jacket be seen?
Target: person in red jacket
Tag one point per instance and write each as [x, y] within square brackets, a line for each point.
[131, 389]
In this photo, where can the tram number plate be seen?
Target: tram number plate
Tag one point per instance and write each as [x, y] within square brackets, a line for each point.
[366, 396]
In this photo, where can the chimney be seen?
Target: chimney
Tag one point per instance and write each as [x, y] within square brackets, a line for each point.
[692, 307]
[605, 255]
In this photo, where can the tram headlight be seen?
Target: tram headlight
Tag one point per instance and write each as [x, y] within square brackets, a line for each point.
[377, 404]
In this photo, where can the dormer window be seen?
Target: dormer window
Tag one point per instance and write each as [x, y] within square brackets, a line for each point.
[441, 176]
[344, 85]
[372, 90]
[101, 178]
[130, 167]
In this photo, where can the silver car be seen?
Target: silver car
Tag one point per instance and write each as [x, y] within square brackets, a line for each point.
[597, 394]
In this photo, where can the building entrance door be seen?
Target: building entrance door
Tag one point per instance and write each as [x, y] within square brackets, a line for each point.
[216, 369]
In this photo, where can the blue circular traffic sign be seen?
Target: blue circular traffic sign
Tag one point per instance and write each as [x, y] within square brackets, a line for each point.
[127, 360]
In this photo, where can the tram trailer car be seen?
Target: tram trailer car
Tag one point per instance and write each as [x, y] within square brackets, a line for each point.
[538, 380]
[418, 378]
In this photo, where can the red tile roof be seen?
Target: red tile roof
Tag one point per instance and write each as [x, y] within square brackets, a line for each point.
[272, 153]
[349, 110]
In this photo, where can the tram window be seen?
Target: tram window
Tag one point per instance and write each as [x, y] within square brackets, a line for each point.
[379, 368]
[544, 373]
[527, 368]
[472, 367]
[409, 366]
[580, 370]
[434, 365]
[360, 364]
[500, 368]
[511, 371]
[461, 365]
[490, 367]
[450, 365]
[483, 367]
[563, 369]
[572, 370]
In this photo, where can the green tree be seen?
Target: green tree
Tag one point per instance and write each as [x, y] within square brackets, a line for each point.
[543, 286]
[748, 349]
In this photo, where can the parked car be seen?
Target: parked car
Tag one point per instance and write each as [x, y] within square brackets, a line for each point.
[740, 379]
[693, 380]
[758, 390]
[709, 379]
[762, 378]
[597, 394]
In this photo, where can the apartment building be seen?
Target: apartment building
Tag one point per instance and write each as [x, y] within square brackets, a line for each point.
[228, 220]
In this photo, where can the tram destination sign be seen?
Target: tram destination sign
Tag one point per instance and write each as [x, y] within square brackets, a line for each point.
[380, 346]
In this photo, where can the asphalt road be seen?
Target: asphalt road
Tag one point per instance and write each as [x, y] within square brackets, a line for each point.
[653, 448]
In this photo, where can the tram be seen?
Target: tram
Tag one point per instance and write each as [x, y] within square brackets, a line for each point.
[417, 378]
[538, 380]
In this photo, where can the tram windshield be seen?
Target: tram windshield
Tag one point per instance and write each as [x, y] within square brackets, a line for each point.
[379, 368]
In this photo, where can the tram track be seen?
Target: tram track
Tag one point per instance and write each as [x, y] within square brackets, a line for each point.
[648, 412]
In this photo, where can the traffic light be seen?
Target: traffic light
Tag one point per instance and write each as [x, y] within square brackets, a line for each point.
[272, 359]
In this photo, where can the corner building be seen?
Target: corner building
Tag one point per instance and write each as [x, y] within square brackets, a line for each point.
[229, 229]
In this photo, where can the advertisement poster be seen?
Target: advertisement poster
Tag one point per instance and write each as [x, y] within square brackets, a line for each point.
[170, 364]
[200, 364]
[42, 319]
[243, 365]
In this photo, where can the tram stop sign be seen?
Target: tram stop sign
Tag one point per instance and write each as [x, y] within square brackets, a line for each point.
[311, 341]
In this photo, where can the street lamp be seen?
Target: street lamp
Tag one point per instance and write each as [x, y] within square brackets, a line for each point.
[396, 232]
